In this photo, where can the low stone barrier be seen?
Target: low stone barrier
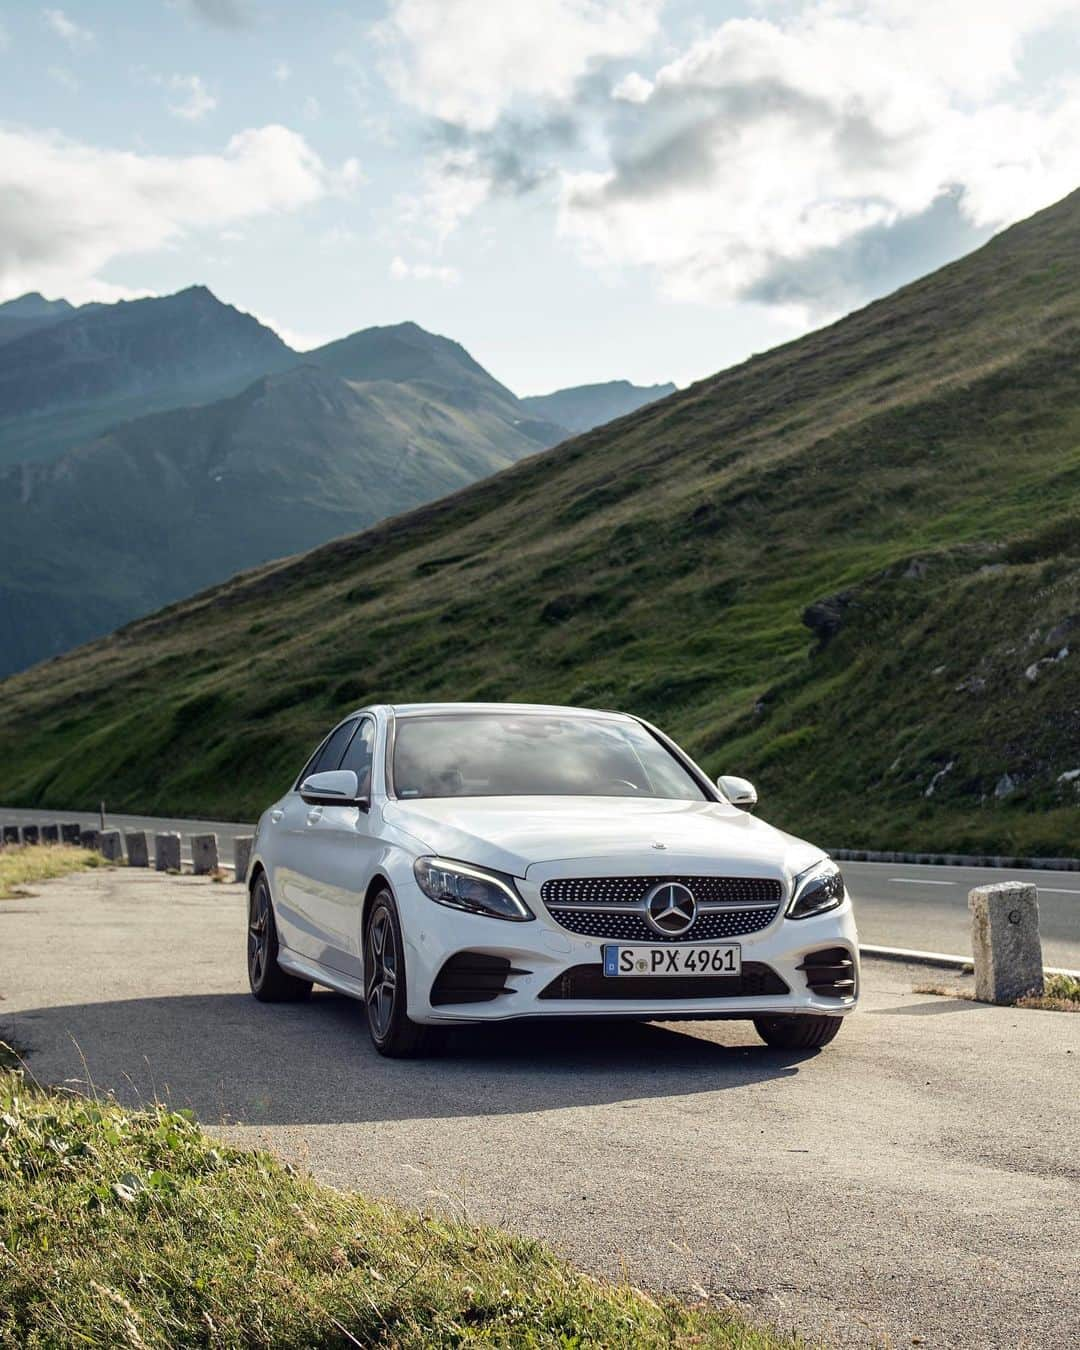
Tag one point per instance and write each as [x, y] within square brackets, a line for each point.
[12, 834]
[242, 855]
[90, 839]
[138, 848]
[30, 834]
[167, 852]
[50, 834]
[1005, 943]
[204, 854]
[69, 832]
[111, 844]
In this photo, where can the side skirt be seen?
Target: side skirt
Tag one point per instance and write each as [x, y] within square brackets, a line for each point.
[307, 969]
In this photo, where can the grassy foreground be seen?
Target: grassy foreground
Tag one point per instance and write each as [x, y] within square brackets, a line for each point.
[24, 864]
[135, 1229]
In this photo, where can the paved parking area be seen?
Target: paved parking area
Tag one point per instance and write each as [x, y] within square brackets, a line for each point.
[914, 1183]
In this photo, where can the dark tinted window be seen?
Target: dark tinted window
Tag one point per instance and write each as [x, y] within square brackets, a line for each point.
[329, 757]
[534, 754]
[358, 755]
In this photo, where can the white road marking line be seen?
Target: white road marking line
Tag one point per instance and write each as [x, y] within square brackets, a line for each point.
[1054, 890]
[922, 881]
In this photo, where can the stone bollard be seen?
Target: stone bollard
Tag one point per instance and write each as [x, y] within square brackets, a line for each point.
[12, 834]
[242, 855]
[30, 834]
[1005, 941]
[90, 839]
[50, 834]
[138, 848]
[204, 855]
[167, 852]
[69, 832]
[111, 844]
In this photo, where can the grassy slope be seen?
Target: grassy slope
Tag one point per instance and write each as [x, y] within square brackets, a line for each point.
[662, 563]
[133, 1229]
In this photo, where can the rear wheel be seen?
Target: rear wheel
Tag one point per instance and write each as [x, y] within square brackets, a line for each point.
[392, 1032]
[269, 983]
[797, 1031]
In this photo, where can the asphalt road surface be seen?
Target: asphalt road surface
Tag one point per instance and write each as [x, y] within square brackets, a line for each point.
[897, 905]
[916, 1179]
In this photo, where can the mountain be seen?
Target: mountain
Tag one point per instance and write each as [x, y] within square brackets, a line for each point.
[30, 312]
[67, 381]
[848, 568]
[169, 503]
[590, 405]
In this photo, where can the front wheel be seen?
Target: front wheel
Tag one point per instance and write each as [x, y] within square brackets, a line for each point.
[392, 1032]
[797, 1031]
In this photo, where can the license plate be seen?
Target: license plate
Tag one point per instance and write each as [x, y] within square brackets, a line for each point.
[690, 959]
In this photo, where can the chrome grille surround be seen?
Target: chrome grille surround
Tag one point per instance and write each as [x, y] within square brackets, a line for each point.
[614, 907]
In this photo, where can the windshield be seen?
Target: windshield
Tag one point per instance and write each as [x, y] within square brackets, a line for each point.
[534, 754]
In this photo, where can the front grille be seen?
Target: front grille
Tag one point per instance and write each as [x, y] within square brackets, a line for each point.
[580, 982]
[613, 907]
[830, 972]
[472, 977]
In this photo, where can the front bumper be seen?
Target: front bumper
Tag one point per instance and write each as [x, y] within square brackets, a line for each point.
[545, 973]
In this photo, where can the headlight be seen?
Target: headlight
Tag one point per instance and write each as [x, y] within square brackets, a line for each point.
[462, 887]
[819, 888]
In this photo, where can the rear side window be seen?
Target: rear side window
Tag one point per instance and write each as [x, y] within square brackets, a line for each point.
[329, 757]
[358, 755]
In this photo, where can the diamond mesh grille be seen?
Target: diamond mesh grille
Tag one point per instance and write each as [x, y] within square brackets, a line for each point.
[758, 900]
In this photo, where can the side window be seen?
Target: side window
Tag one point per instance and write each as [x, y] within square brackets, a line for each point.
[358, 755]
[329, 757]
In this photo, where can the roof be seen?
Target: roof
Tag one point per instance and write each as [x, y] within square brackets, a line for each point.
[406, 709]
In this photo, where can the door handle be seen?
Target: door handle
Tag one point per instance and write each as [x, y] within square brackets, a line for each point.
[314, 815]
[275, 816]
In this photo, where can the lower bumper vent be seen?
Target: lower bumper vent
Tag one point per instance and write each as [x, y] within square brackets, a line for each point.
[830, 973]
[472, 977]
[590, 982]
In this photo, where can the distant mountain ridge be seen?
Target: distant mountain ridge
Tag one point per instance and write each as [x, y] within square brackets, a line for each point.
[153, 507]
[590, 405]
[29, 312]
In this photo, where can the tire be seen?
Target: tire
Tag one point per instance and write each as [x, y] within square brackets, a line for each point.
[385, 994]
[797, 1031]
[269, 983]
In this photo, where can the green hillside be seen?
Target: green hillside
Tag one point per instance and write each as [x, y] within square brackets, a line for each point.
[907, 479]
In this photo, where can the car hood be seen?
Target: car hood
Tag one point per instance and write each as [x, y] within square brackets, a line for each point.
[516, 834]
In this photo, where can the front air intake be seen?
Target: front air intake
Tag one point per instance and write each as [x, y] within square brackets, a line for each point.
[830, 972]
[472, 977]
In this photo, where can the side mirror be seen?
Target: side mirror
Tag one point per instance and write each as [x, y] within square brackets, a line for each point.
[740, 792]
[336, 787]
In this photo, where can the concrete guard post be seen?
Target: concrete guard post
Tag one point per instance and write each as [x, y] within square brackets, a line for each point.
[50, 834]
[30, 834]
[69, 832]
[12, 834]
[111, 844]
[167, 852]
[90, 839]
[242, 855]
[1005, 942]
[138, 848]
[204, 854]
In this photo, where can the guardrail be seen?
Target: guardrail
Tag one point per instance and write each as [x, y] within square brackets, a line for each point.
[134, 847]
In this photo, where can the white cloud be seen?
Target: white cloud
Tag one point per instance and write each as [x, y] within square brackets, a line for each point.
[282, 71]
[194, 101]
[771, 141]
[67, 29]
[633, 88]
[468, 61]
[400, 270]
[63, 77]
[453, 185]
[68, 209]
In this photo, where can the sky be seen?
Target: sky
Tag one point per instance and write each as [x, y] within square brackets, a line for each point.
[576, 190]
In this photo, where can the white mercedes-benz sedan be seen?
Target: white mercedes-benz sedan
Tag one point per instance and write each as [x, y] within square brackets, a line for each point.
[470, 862]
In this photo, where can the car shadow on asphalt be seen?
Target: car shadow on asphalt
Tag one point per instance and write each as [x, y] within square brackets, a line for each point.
[231, 1059]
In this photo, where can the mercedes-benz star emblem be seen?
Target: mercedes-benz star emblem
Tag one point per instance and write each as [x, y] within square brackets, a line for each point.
[670, 908]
